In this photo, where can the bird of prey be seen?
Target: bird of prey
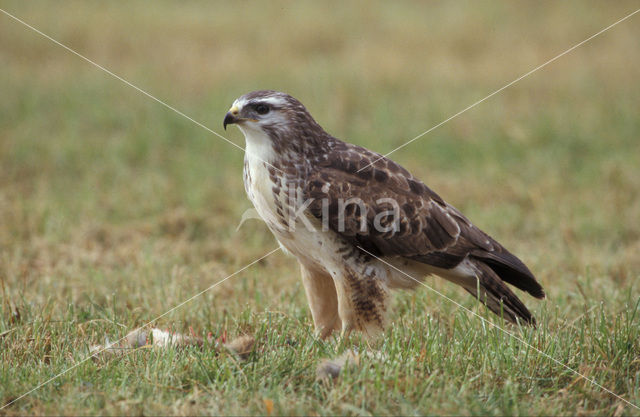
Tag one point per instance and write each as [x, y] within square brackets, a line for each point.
[361, 225]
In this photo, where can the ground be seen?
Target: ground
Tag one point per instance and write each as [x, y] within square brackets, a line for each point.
[114, 209]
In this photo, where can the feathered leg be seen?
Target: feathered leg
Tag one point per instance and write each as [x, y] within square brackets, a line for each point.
[363, 299]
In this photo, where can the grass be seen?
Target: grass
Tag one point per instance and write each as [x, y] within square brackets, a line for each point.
[114, 209]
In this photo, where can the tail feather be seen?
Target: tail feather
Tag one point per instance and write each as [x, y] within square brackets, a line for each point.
[495, 294]
[510, 269]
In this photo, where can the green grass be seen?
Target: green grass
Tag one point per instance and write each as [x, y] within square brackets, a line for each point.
[113, 209]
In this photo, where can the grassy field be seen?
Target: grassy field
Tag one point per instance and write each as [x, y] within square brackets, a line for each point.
[113, 209]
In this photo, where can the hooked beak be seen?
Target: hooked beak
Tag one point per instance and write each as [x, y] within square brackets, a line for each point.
[231, 117]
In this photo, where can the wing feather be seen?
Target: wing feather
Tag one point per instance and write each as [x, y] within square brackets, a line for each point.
[429, 230]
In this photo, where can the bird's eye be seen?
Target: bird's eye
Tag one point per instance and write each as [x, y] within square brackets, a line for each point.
[262, 109]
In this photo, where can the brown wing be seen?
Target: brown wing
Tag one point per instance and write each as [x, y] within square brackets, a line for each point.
[427, 229]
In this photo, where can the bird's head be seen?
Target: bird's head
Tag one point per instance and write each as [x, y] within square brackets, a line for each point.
[274, 114]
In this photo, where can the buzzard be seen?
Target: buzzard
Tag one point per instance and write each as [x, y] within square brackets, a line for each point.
[354, 219]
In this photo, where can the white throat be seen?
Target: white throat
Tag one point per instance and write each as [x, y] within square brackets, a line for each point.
[258, 145]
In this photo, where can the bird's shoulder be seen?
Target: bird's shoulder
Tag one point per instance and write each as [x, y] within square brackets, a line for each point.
[359, 165]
